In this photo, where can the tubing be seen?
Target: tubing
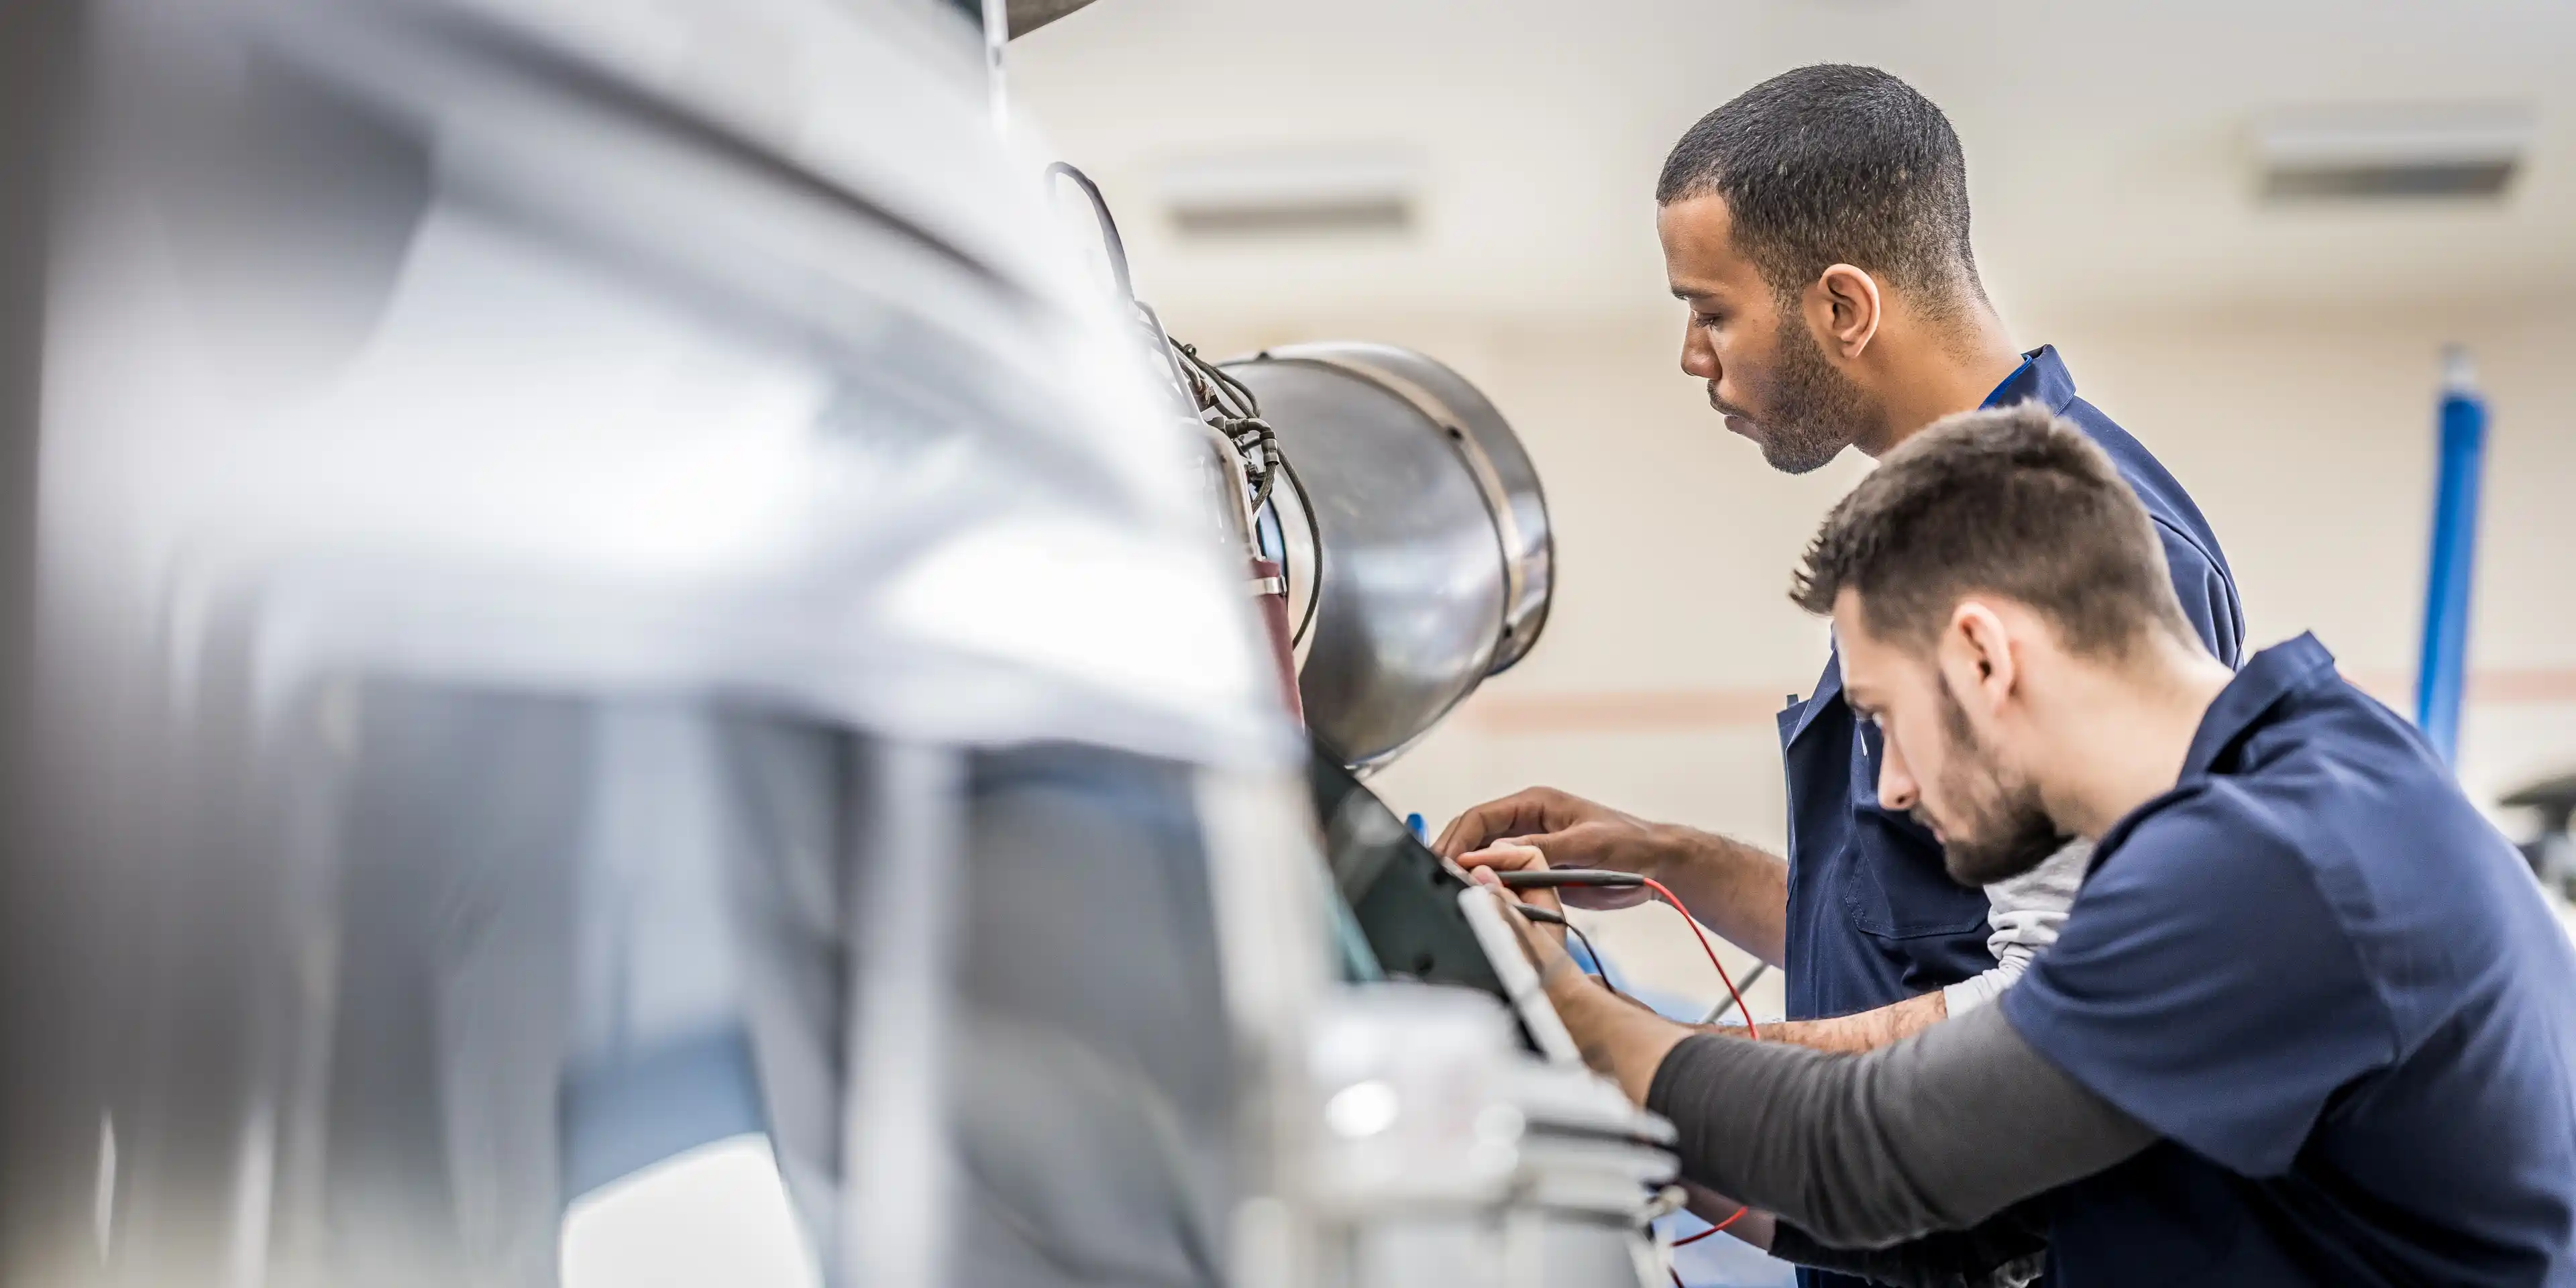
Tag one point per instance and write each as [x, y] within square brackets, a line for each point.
[2443, 664]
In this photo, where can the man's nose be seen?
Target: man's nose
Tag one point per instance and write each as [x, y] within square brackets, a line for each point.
[1896, 789]
[1698, 359]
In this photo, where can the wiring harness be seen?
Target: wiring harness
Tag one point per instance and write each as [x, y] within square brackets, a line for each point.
[1549, 878]
[1220, 400]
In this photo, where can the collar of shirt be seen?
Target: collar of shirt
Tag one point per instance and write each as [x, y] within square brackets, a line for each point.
[2238, 710]
[2270, 676]
[2041, 378]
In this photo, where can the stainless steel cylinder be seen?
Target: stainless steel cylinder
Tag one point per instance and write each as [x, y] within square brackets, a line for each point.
[1415, 532]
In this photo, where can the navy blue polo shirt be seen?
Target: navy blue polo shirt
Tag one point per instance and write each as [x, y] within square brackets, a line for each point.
[2337, 993]
[1873, 917]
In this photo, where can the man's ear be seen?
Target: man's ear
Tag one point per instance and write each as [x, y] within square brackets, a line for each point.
[1843, 307]
[1978, 652]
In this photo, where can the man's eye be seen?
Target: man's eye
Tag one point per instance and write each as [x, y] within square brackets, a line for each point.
[1707, 320]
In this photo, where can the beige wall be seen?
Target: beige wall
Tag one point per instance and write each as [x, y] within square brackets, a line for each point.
[2306, 437]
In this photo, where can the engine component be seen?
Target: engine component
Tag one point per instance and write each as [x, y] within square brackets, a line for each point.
[608, 618]
[1397, 523]
[1415, 534]
[626, 672]
[1447, 1155]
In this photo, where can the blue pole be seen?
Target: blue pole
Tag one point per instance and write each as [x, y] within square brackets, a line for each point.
[2443, 666]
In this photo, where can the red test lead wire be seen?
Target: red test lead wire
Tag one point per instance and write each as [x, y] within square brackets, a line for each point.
[1731, 1218]
[1723, 977]
[1550, 878]
[1546, 878]
[1740, 1008]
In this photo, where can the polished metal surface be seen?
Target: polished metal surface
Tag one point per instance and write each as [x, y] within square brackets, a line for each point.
[1415, 532]
[636, 688]
[636, 691]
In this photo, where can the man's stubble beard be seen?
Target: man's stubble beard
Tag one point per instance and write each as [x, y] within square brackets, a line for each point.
[1816, 411]
[2008, 830]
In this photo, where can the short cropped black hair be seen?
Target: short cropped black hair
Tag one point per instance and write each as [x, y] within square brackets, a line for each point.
[2011, 502]
[1836, 164]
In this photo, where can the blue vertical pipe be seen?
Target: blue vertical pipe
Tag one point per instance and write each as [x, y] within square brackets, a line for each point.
[2443, 665]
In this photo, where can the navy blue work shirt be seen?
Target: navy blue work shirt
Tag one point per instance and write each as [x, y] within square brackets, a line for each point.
[2337, 993]
[1873, 917]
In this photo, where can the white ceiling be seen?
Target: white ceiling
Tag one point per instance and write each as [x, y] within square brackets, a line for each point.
[2107, 143]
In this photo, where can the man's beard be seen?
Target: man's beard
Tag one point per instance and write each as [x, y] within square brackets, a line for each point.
[1816, 411]
[2006, 831]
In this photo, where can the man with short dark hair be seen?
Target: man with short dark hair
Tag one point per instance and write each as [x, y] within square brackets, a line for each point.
[1817, 226]
[2308, 1020]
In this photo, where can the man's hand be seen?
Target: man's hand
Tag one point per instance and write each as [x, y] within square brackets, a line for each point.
[1544, 944]
[1733, 888]
[1569, 831]
[1616, 1037]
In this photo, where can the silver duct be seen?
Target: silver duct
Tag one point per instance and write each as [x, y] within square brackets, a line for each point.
[1415, 534]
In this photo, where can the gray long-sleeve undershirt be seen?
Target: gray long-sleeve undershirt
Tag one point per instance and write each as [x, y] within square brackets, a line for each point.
[1937, 1132]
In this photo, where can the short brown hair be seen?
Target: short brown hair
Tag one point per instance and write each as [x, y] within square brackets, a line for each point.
[2013, 502]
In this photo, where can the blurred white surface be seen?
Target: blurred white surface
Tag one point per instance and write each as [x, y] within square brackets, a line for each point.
[717, 1214]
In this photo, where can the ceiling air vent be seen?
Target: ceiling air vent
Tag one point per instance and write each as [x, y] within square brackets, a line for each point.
[1290, 194]
[2350, 154]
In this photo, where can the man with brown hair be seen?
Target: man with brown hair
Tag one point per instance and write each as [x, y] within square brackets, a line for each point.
[2308, 1021]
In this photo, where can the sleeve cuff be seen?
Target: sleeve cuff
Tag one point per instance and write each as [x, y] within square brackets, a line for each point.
[1969, 994]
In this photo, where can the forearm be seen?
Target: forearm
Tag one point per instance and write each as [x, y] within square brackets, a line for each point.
[1626, 1041]
[1866, 1031]
[1740, 891]
[1937, 1132]
[1620, 1040]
